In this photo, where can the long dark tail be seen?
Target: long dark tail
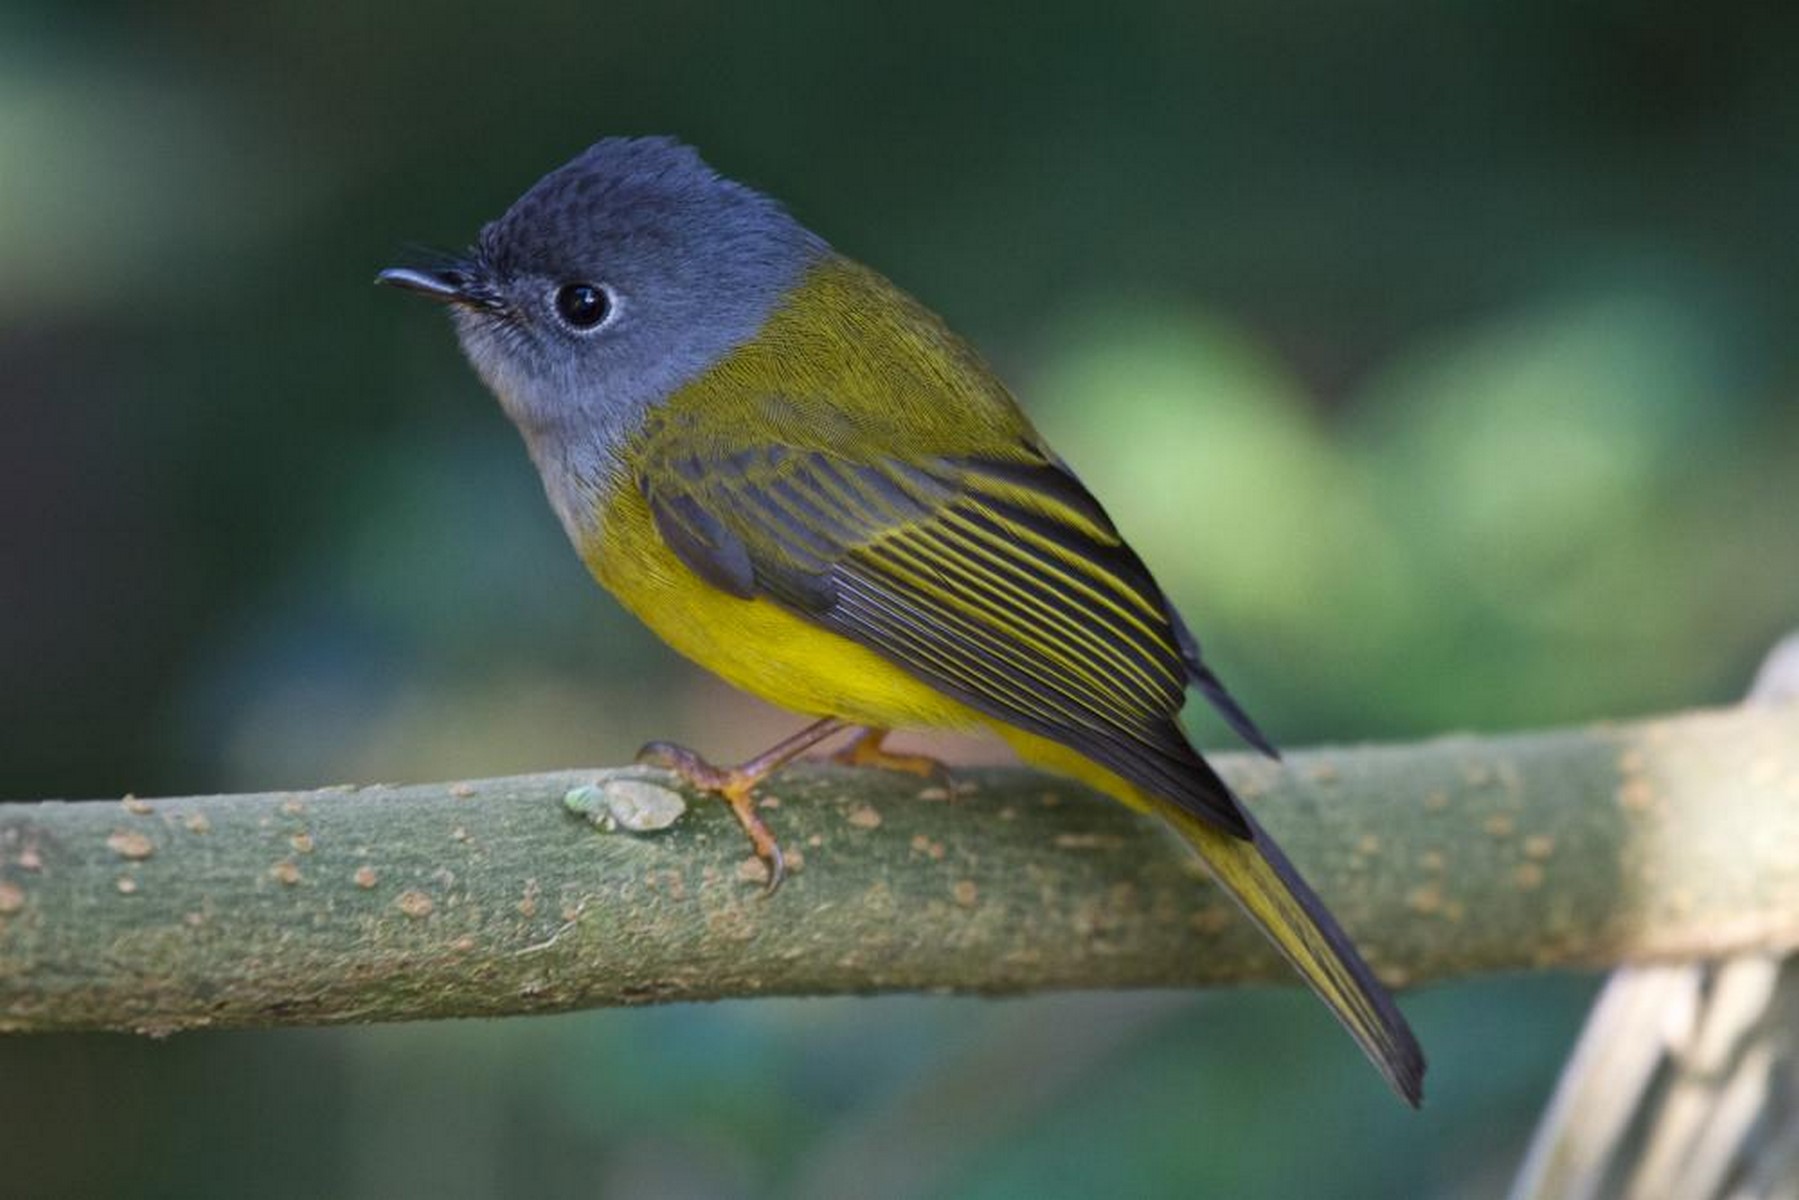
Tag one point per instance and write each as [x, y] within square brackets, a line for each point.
[1267, 888]
[1265, 885]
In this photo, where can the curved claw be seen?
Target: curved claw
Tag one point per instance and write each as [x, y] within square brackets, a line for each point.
[683, 762]
[658, 754]
[735, 786]
[777, 869]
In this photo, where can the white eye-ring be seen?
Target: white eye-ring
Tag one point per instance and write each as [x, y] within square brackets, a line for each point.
[584, 307]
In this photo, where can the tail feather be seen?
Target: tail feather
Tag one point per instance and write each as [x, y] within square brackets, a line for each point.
[1268, 888]
[1265, 885]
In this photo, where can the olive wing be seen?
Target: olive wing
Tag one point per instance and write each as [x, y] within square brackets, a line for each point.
[1000, 581]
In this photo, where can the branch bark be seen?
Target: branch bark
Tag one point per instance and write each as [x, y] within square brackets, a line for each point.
[1667, 839]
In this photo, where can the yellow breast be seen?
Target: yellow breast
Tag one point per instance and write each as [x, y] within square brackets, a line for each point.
[754, 644]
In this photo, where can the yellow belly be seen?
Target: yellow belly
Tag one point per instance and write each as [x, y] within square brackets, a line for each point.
[787, 660]
[753, 644]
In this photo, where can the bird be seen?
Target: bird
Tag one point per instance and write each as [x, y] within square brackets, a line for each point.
[801, 479]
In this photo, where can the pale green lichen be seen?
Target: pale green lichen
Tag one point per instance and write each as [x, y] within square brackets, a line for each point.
[633, 805]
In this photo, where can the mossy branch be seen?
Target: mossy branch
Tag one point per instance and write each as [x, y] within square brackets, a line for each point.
[1666, 839]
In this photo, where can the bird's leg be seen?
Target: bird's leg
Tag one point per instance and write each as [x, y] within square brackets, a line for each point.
[733, 785]
[865, 750]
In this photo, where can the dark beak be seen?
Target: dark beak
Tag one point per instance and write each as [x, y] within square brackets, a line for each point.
[448, 285]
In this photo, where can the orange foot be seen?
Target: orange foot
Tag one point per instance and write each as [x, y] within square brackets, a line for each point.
[735, 785]
[865, 750]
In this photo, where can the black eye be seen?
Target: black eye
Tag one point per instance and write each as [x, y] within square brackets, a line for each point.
[582, 305]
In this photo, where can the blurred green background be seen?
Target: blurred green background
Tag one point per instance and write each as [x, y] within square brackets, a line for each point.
[1437, 356]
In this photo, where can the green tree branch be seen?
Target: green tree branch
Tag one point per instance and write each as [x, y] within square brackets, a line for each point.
[1668, 839]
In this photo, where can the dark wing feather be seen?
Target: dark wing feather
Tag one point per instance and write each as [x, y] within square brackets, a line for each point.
[1001, 582]
[1213, 689]
[702, 542]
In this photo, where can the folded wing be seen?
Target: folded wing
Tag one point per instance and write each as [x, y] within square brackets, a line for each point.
[998, 580]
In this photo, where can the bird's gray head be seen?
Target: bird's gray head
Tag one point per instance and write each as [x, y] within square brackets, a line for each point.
[617, 278]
